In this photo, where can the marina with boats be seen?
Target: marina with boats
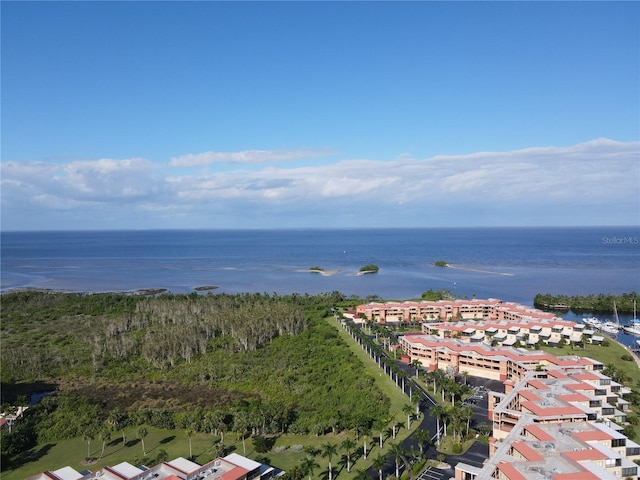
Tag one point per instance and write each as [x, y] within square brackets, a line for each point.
[627, 333]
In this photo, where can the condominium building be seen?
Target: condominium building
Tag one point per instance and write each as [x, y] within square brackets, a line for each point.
[231, 467]
[479, 359]
[558, 451]
[450, 310]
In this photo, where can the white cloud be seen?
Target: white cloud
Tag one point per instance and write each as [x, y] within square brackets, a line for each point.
[252, 157]
[68, 185]
[579, 184]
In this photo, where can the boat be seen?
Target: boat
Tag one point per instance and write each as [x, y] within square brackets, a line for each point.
[593, 321]
[609, 327]
[634, 327]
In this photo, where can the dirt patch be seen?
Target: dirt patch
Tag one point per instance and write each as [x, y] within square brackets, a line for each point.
[141, 393]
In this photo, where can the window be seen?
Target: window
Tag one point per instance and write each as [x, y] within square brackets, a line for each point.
[629, 471]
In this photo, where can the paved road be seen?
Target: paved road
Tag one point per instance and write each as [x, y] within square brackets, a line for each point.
[476, 455]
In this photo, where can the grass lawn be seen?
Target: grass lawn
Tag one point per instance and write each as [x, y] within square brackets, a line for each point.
[72, 452]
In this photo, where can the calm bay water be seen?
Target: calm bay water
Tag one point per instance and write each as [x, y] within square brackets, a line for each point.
[508, 263]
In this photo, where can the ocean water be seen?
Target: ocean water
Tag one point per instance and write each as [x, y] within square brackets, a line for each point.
[508, 263]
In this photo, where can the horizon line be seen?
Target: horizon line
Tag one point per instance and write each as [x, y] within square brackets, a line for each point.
[275, 229]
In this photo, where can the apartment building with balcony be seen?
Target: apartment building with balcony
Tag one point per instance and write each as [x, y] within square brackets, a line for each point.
[231, 467]
[478, 359]
[579, 450]
[450, 310]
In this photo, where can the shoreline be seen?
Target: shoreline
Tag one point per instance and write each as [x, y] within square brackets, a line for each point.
[324, 273]
[478, 270]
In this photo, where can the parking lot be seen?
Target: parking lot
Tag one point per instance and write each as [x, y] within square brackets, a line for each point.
[433, 473]
[493, 385]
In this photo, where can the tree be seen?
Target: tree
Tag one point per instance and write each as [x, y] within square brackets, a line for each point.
[439, 412]
[408, 411]
[241, 425]
[379, 424]
[311, 451]
[396, 428]
[162, 456]
[189, 432]
[87, 436]
[328, 451]
[378, 463]
[105, 436]
[309, 465]
[397, 452]
[348, 446]
[365, 433]
[466, 413]
[423, 437]
[416, 363]
[294, 473]
[116, 420]
[143, 432]
[361, 474]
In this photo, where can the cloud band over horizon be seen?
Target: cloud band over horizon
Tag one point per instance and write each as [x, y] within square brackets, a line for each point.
[592, 183]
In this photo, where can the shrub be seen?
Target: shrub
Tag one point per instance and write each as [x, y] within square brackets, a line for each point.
[369, 268]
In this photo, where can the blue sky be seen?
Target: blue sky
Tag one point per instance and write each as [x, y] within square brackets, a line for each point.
[319, 114]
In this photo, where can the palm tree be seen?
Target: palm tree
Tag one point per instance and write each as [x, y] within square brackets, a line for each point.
[348, 446]
[241, 425]
[438, 412]
[397, 427]
[423, 437]
[87, 436]
[365, 433]
[143, 432]
[378, 463]
[162, 456]
[401, 375]
[396, 451]
[311, 451]
[456, 425]
[361, 474]
[105, 436]
[454, 389]
[116, 420]
[189, 432]
[328, 451]
[466, 413]
[294, 473]
[408, 411]
[437, 376]
[309, 465]
[379, 425]
[416, 363]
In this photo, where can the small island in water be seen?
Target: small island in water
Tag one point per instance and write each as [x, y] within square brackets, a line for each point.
[370, 268]
[324, 272]
[440, 263]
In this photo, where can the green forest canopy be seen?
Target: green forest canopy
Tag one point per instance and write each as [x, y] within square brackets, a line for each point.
[587, 303]
[252, 362]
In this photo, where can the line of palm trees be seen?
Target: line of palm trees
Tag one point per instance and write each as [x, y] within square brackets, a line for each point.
[349, 456]
[451, 416]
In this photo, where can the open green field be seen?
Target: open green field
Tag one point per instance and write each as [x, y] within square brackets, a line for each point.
[72, 452]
